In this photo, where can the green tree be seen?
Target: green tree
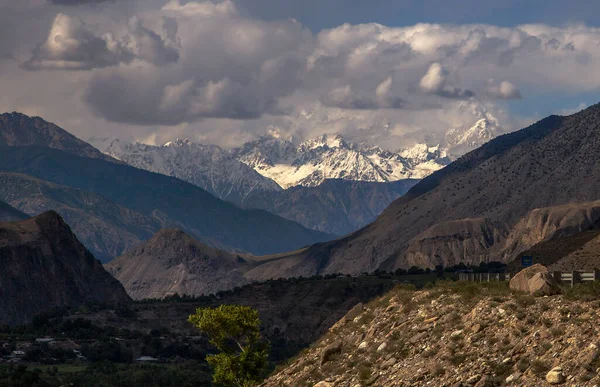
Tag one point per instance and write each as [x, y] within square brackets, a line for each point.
[235, 331]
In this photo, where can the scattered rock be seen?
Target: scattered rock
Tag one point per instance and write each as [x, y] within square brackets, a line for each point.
[555, 376]
[590, 355]
[363, 345]
[355, 312]
[456, 334]
[323, 384]
[485, 381]
[388, 363]
[432, 319]
[513, 377]
[382, 347]
[331, 350]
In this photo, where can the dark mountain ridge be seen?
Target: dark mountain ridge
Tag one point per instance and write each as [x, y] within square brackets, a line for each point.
[104, 227]
[174, 203]
[17, 129]
[43, 265]
[10, 214]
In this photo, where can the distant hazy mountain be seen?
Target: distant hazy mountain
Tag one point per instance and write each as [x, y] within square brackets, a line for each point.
[334, 206]
[10, 214]
[172, 202]
[43, 266]
[17, 129]
[207, 166]
[104, 227]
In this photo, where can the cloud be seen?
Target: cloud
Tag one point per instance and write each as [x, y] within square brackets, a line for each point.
[149, 46]
[346, 98]
[206, 8]
[78, 2]
[229, 68]
[71, 45]
[502, 90]
[206, 70]
[435, 81]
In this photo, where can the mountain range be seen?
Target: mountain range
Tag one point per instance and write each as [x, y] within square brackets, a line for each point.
[271, 172]
[114, 206]
[491, 204]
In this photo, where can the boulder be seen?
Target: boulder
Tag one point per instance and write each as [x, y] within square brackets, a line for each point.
[543, 284]
[330, 350]
[535, 280]
[555, 376]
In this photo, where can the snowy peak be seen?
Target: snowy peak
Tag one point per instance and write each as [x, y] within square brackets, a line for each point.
[178, 142]
[207, 166]
[330, 141]
[329, 156]
[460, 141]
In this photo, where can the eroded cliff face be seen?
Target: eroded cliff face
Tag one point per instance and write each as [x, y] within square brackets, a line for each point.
[43, 265]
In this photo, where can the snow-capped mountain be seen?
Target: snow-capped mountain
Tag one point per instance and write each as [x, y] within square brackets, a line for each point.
[460, 141]
[330, 156]
[271, 163]
[207, 166]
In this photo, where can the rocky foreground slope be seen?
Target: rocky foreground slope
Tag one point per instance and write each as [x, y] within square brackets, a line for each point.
[43, 265]
[456, 335]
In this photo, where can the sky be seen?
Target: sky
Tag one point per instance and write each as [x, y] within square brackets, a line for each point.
[388, 72]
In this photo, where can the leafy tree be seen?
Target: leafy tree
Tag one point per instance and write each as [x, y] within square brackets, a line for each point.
[235, 331]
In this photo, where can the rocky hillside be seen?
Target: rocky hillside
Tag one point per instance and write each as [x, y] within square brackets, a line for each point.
[17, 129]
[43, 265]
[10, 214]
[455, 335]
[173, 262]
[579, 251]
[104, 227]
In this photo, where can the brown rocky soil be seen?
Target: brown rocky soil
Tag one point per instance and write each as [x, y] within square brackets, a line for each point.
[457, 335]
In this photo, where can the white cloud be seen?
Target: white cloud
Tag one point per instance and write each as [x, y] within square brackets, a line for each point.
[71, 45]
[502, 90]
[204, 70]
[204, 9]
[435, 81]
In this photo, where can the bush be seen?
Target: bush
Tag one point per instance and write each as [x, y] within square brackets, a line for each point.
[583, 292]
